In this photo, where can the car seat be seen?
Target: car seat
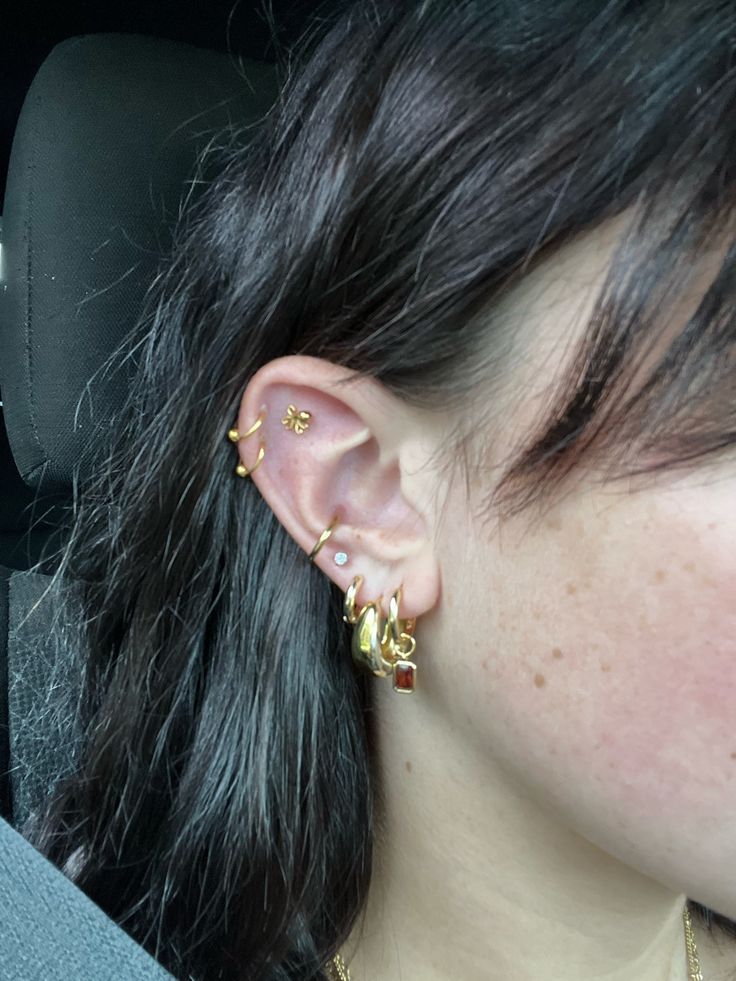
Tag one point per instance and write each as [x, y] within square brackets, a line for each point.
[103, 158]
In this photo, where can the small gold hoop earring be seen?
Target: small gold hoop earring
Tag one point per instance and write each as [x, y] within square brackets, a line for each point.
[234, 436]
[398, 638]
[399, 631]
[242, 471]
[323, 538]
[349, 615]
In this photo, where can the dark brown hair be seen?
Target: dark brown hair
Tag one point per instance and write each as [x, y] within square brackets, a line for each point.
[421, 159]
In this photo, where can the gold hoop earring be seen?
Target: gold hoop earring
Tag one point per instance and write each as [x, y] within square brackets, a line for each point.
[382, 648]
[234, 436]
[366, 644]
[401, 644]
[323, 538]
[349, 615]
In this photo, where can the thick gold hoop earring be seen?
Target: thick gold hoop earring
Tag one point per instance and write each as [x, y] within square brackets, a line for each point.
[234, 436]
[366, 645]
[382, 649]
[349, 615]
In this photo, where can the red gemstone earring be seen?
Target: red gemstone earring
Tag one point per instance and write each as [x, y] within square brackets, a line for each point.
[401, 645]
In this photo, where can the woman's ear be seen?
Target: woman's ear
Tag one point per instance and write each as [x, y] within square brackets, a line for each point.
[352, 451]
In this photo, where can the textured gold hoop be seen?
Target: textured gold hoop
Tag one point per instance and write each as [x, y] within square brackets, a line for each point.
[323, 538]
[234, 436]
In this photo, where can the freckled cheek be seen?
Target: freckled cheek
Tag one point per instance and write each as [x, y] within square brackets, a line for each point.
[665, 725]
[637, 699]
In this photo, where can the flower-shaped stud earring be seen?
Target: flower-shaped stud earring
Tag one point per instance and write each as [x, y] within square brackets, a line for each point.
[295, 420]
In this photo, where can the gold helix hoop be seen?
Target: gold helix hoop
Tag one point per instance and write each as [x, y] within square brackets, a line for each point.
[234, 436]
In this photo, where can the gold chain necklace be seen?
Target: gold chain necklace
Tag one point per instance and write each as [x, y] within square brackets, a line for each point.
[338, 970]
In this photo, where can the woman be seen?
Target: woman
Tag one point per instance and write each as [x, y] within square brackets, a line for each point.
[461, 314]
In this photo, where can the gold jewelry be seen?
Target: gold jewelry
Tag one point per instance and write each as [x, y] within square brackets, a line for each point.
[693, 964]
[338, 969]
[233, 435]
[298, 421]
[323, 538]
[382, 647]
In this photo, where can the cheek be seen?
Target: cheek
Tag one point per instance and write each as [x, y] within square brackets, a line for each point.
[614, 687]
[646, 694]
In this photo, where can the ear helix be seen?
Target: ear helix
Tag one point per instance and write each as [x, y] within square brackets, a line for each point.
[380, 645]
[297, 421]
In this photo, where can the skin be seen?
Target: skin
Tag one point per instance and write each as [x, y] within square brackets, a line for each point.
[563, 776]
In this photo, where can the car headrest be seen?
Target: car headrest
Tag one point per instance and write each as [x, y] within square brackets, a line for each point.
[104, 154]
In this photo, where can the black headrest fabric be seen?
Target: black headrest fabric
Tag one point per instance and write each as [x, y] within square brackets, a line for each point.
[50, 929]
[104, 155]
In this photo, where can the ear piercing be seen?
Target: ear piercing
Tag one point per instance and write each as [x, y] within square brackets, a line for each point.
[234, 436]
[380, 645]
[340, 557]
[297, 421]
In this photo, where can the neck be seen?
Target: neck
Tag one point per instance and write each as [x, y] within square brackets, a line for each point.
[476, 879]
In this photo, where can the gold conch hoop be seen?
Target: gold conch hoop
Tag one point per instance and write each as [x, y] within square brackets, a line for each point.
[323, 538]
